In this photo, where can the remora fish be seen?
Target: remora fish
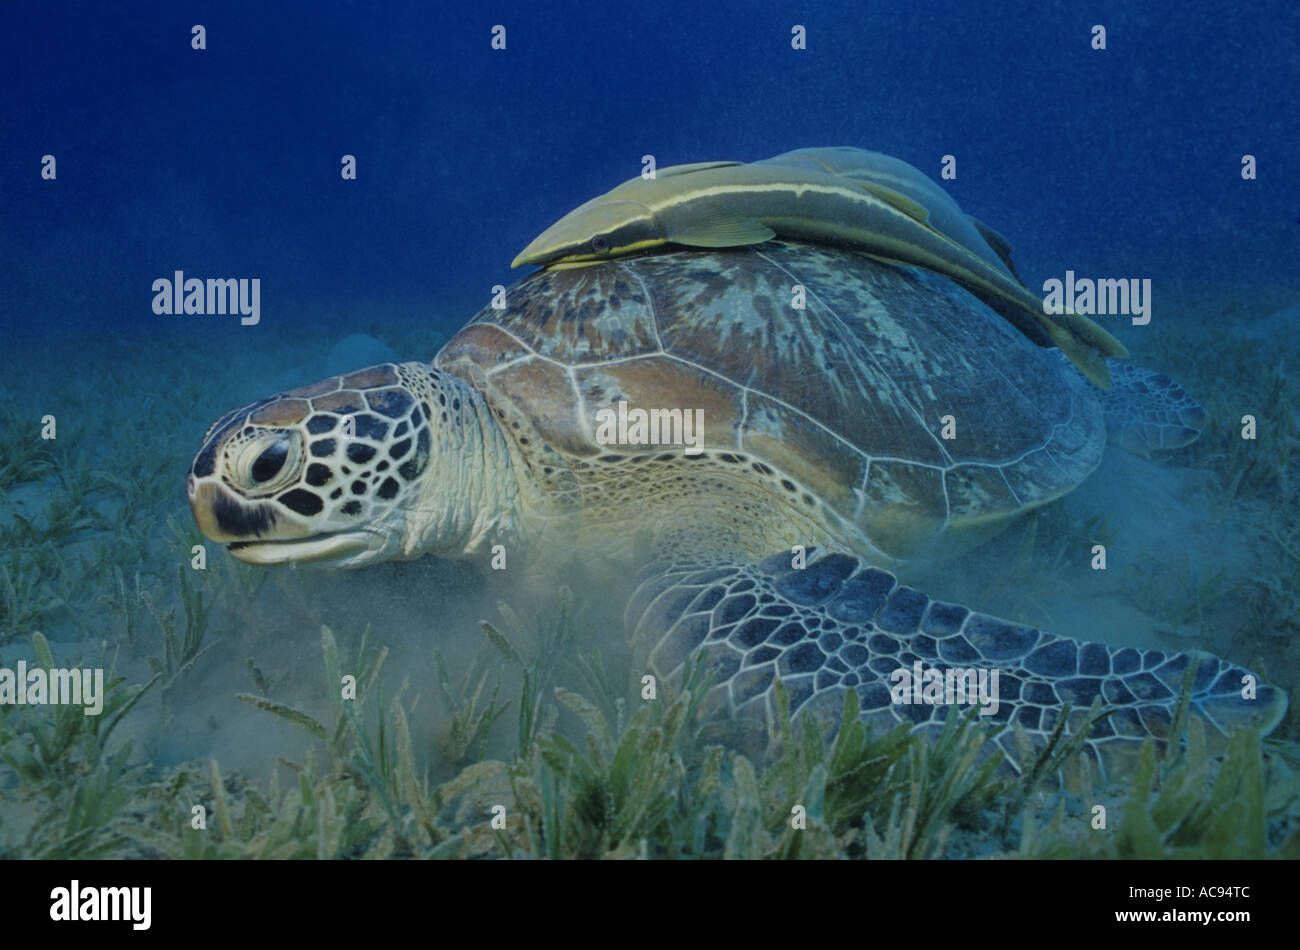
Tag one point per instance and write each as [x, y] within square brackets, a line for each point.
[842, 196]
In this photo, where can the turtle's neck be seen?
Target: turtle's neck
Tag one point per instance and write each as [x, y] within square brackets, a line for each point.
[470, 497]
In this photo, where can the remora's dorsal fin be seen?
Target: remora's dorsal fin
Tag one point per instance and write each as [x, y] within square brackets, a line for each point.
[713, 225]
[913, 209]
[1092, 334]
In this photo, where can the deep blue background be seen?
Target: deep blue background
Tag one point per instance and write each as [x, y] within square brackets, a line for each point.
[225, 162]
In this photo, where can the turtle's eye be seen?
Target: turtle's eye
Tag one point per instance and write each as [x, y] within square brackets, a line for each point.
[268, 463]
[600, 243]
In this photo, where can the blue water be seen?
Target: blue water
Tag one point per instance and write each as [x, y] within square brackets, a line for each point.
[226, 161]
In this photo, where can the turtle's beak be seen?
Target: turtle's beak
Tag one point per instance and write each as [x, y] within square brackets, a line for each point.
[212, 507]
[337, 549]
[225, 518]
[201, 506]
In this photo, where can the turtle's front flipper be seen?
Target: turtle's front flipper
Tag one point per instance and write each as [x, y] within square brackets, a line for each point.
[838, 623]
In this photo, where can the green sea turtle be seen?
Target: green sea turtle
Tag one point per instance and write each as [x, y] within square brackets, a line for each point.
[896, 416]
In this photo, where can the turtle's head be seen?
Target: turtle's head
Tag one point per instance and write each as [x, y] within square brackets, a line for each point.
[327, 474]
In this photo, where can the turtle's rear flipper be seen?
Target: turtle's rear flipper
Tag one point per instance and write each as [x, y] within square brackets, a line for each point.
[838, 623]
[1148, 412]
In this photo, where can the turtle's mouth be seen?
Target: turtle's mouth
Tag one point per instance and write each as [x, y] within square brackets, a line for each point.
[337, 547]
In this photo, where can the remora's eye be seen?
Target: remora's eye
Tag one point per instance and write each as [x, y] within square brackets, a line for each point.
[600, 243]
[267, 465]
